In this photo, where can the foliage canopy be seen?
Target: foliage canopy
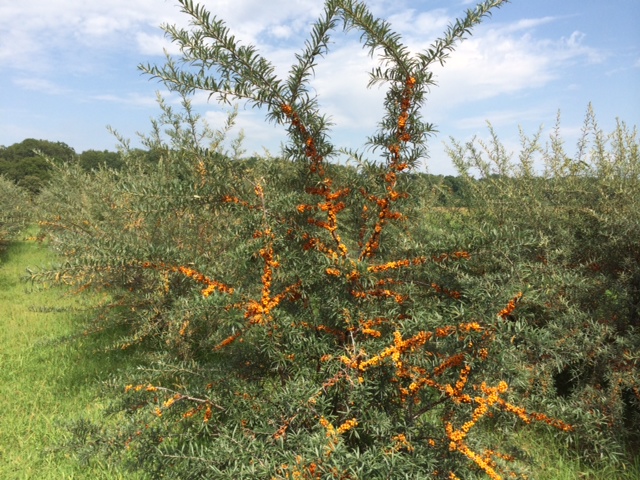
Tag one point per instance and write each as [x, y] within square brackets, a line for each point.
[25, 164]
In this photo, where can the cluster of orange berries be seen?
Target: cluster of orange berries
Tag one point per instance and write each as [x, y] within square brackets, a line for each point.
[459, 255]
[401, 443]
[332, 206]
[511, 306]
[366, 327]
[394, 352]
[451, 293]
[401, 129]
[384, 213]
[393, 265]
[211, 285]
[201, 169]
[282, 431]
[236, 200]
[457, 436]
[303, 470]
[395, 166]
[137, 388]
[492, 396]
[259, 312]
[205, 405]
[396, 264]
[229, 340]
[310, 151]
[344, 428]
[380, 293]
[453, 361]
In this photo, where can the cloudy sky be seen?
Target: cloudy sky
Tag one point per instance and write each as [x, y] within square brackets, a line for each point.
[69, 68]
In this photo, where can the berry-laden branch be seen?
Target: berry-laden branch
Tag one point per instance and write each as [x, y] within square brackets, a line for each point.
[332, 203]
[259, 312]
[412, 377]
[211, 285]
[395, 165]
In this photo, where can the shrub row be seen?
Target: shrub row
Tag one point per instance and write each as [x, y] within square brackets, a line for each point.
[311, 320]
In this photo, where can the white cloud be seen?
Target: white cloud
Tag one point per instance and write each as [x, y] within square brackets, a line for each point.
[40, 85]
[340, 83]
[101, 26]
[527, 24]
[498, 118]
[496, 62]
[250, 20]
[155, 44]
[259, 134]
[281, 31]
[131, 99]
[504, 60]
[424, 26]
[484, 67]
[36, 31]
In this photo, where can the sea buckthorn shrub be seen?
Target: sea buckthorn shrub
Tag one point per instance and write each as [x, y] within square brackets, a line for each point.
[15, 210]
[144, 233]
[300, 326]
[563, 231]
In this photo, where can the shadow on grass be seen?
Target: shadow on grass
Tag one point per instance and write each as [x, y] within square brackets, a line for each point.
[58, 370]
[95, 370]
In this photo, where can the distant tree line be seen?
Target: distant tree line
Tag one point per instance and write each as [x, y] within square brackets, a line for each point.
[29, 164]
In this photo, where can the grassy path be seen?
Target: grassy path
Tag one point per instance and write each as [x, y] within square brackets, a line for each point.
[48, 377]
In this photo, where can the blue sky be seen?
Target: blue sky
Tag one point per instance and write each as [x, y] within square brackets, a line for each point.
[69, 68]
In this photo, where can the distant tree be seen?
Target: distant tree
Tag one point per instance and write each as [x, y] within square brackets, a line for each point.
[94, 159]
[458, 189]
[24, 163]
[26, 148]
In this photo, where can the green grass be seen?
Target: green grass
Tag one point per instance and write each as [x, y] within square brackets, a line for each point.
[49, 374]
[551, 461]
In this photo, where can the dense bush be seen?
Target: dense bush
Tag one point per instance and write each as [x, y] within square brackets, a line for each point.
[564, 232]
[311, 320]
[15, 210]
